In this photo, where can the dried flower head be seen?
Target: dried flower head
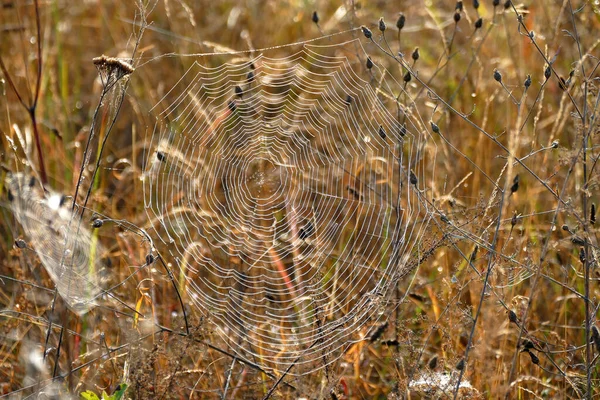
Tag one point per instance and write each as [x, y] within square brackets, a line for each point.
[112, 69]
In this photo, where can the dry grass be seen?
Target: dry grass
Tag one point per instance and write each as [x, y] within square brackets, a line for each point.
[535, 243]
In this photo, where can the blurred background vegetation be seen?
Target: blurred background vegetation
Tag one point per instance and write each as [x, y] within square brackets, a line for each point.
[535, 242]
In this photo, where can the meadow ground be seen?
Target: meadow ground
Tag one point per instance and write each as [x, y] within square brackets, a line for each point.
[463, 262]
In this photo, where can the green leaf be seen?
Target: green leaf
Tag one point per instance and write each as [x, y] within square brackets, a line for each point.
[117, 394]
[119, 391]
[89, 395]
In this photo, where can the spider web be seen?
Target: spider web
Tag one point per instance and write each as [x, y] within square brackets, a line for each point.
[69, 253]
[285, 190]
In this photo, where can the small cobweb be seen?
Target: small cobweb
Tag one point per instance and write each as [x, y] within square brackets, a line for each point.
[286, 191]
[68, 251]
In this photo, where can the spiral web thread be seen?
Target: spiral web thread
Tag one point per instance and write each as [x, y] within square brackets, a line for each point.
[281, 189]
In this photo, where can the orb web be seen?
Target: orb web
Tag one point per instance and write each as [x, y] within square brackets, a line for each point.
[281, 188]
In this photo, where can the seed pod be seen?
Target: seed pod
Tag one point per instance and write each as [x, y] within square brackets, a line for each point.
[515, 185]
[382, 132]
[512, 316]
[11, 197]
[250, 77]
[20, 243]
[474, 254]
[548, 72]
[315, 17]
[514, 219]
[527, 82]
[382, 25]
[231, 105]
[434, 127]
[593, 214]
[160, 156]
[562, 84]
[306, 231]
[459, 6]
[97, 223]
[355, 193]
[413, 178]
[444, 219]
[403, 130]
[369, 63]
[378, 332]
[432, 364]
[400, 22]
[479, 23]
[582, 255]
[534, 358]
[497, 76]
[407, 77]
[566, 228]
[333, 395]
[457, 17]
[527, 345]
[367, 32]
[415, 54]
[149, 259]
[578, 241]
[476, 4]
[348, 100]
[460, 365]
[239, 91]
[496, 3]
[507, 4]
[596, 338]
